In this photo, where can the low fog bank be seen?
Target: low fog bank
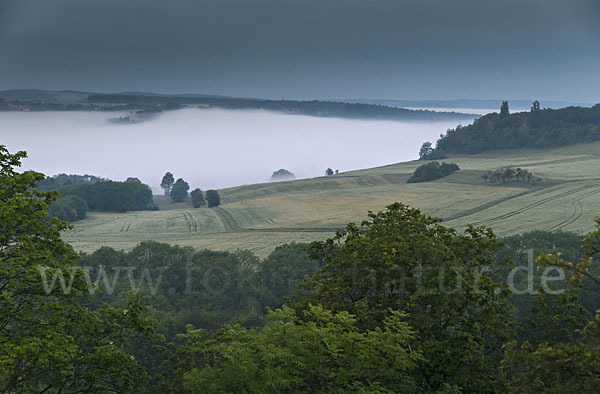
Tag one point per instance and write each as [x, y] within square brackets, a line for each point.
[209, 148]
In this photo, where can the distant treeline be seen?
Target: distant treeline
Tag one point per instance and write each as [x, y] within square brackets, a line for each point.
[61, 181]
[79, 101]
[539, 128]
[312, 108]
[83, 192]
[40, 106]
[111, 196]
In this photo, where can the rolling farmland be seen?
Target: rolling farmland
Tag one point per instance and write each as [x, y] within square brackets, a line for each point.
[260, 217]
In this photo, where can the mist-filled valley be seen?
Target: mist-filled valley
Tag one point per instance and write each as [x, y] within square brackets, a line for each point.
[209, 148]
[269, 197]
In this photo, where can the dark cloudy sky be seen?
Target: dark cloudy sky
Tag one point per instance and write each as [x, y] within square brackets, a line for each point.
[403, 49]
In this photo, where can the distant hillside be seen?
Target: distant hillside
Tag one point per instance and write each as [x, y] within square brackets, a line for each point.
[66, 100]
[536, 129]
[63, 96]
[310, 108]
[463, 103]
[262, 216]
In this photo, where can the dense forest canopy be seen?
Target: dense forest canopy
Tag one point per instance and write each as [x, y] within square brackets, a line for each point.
[536, 129]
[112, 196]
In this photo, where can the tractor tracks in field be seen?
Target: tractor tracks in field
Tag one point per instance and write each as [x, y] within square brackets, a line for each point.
[490, 204]
[190, 222]
[577, 212]
[232, 226]
[533, 205]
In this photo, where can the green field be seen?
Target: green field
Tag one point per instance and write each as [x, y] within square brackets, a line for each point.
[260, 217]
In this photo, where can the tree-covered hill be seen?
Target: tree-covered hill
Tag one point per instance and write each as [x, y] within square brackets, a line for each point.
[310, 108]
[536, 129]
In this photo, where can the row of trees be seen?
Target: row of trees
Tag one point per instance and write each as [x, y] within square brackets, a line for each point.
[61, 181]
[178, 190]
[506, 174]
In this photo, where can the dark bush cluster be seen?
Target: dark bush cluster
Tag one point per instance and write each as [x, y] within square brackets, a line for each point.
[507, 174]
[434, 170]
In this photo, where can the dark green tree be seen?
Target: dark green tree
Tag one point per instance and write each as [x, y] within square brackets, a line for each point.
[536, 106]
[312, 352]
[212, 198]
[559, 350]
[69, 208]
[284, 269]
[167, 183]
[425, 151]
[49, 341]
[179, 191]
[448, 284]
[198, 198]
[504, 111]
[328, 172]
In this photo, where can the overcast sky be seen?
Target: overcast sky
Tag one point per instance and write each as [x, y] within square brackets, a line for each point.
[395, 49]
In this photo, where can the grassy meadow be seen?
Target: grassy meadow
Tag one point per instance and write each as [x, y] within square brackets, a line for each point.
[260, 217]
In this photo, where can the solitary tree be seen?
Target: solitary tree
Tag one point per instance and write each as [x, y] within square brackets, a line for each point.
[212, 198]
[167, 183]
[198, 198]
[425, 151]
[179, 190]
[504, 111]
[536, 106]
[282, 175]
[329, 172]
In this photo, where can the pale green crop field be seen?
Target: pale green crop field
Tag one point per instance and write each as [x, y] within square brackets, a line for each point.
[260, 217]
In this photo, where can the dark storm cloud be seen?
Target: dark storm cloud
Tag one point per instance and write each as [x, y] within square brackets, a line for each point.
[306, 48]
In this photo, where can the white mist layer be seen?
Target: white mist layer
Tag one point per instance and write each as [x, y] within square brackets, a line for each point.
[209, 148]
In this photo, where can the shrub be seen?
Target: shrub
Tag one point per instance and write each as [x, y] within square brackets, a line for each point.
[431, 171]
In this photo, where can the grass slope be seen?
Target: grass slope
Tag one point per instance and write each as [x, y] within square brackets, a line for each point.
[260, 217]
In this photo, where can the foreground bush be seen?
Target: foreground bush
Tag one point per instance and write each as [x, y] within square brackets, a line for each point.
[325, 353]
